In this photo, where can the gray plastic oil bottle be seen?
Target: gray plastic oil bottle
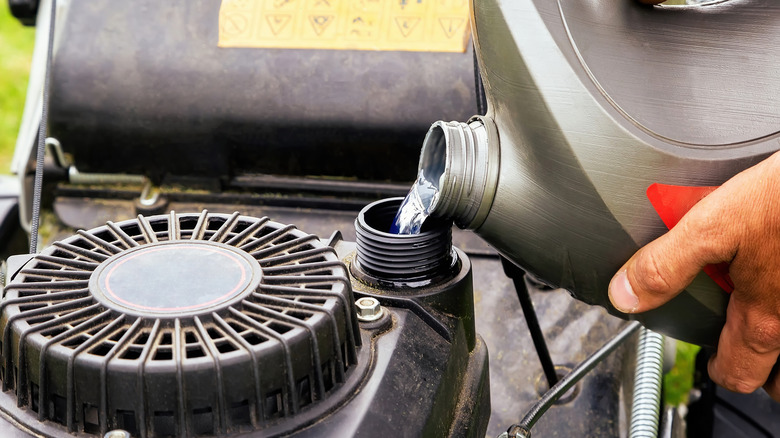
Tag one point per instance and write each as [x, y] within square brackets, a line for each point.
[589, 104]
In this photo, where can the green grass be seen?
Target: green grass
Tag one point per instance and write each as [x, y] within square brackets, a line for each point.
[16, 46]
[678, 382]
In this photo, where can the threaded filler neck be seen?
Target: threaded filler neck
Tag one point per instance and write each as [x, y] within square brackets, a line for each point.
[396, 260]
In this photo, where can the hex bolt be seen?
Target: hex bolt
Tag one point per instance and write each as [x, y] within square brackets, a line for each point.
[368, 309]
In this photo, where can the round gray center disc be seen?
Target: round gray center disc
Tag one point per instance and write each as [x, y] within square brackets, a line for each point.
[175, 278]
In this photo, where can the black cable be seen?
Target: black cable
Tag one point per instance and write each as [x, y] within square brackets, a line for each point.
[537, 336]
[479, 87]
[38, 182]
[523, 429]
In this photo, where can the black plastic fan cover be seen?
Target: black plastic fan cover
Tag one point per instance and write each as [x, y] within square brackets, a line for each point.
[180, 324]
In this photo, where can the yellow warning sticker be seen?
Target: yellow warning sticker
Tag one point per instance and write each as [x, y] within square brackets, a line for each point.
[411, 25]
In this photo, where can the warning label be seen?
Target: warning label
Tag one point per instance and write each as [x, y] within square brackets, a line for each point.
[411, 25]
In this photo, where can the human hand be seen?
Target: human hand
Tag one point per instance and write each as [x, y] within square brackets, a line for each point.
[738, 223]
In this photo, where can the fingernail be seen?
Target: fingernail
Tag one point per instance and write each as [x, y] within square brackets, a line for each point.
[621, 294]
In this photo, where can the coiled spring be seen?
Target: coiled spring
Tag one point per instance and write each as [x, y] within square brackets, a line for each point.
[647, 385]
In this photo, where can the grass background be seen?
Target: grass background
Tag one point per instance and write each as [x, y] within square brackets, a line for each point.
[678, 382]
[16, 45]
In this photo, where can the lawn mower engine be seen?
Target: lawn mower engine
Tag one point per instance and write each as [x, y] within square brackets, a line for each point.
[213, 324]
[205, 322]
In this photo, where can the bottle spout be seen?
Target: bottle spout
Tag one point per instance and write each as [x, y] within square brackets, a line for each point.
[461, 160]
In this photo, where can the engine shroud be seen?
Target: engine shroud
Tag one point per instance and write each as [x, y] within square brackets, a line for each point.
[179, 324]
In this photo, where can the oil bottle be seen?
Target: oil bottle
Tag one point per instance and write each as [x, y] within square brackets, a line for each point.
[589, 105]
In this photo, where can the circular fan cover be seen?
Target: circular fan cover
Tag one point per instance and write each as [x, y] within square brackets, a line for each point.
[181, 324]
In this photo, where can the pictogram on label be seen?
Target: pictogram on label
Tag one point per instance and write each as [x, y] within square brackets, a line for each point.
[451, 25]
[277, 22]
[320, 22]
[234, 24]
[406, 24]
[411, 25]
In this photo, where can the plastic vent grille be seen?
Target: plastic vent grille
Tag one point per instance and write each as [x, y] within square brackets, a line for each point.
[93, 368]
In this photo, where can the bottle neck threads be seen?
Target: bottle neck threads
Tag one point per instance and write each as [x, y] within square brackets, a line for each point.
[462, 161]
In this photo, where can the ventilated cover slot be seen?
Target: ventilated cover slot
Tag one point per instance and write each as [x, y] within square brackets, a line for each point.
[180, 324]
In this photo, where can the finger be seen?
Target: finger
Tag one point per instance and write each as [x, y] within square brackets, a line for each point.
[747, 350]
[664, 267]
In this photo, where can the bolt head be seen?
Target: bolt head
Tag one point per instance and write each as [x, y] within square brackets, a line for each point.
[368, 309]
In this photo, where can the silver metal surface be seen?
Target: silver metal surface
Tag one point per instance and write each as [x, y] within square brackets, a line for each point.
[55, 148]
[149, 194]
[673, 423]
[368, 309]
[593, 102]
[647, 385]
[76, 177]
[117, 433]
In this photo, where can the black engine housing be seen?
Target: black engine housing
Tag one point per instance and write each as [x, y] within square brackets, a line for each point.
[245, 327]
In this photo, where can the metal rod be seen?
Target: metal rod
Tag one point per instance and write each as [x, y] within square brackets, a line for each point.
[523, 429]
[537, 336]
[42, 128]
[76, 177]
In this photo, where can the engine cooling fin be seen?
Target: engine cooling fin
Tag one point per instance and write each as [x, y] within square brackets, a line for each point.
[179, 324]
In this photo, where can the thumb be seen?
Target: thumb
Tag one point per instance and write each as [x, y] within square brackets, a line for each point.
[662, 269]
